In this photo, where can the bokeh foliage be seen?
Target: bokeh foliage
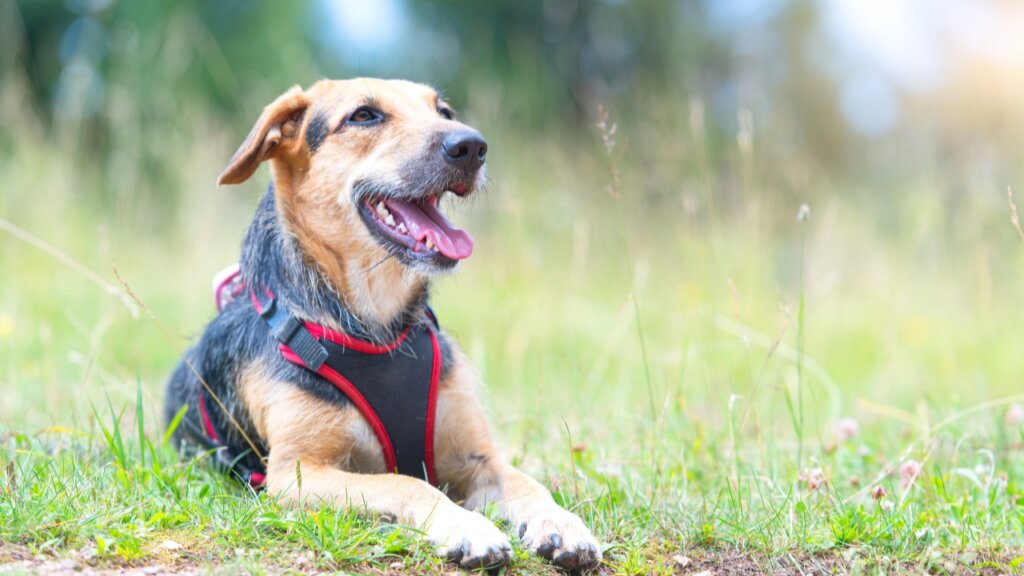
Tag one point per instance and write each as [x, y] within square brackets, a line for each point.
[118, 115]
[639, 271]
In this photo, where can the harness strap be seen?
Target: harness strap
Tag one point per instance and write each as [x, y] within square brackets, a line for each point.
[255, 479]
[289, 331]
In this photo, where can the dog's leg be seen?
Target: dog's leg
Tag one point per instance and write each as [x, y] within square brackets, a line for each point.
[309, 438]
[469, 463]
[543, 526]
[461, 535]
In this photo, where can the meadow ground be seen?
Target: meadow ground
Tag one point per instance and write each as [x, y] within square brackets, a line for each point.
[712, 383]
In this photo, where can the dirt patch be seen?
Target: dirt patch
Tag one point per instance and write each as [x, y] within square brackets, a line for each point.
[733, 562]
[741, 563]
[16, 559]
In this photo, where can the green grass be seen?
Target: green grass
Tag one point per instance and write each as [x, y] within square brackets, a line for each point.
[672, 363]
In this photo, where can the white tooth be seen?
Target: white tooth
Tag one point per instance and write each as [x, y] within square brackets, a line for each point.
[430, 245]
[390, 220]
[401, 228]
[381, 209]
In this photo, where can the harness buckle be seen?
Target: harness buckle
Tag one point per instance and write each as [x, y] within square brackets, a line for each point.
[285, 330]
[289, 331]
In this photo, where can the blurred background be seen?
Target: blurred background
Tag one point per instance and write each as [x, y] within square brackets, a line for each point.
[639, 257]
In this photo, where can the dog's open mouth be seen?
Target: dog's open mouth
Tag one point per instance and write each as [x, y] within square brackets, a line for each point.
[419, 227]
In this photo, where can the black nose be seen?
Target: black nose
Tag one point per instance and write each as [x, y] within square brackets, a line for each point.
[465, 148]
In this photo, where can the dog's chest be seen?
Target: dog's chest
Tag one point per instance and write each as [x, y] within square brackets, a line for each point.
[393, 387]
[365, 455]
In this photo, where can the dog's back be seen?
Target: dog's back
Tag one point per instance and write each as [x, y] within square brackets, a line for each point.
[204, 382]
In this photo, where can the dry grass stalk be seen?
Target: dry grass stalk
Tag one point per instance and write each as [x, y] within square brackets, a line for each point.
[1013, 212]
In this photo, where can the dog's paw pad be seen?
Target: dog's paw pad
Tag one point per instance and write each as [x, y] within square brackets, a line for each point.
[562, 538]
[585, 555]
[471, 541]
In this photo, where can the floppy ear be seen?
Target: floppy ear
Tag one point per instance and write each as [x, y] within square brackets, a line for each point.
[277, 127]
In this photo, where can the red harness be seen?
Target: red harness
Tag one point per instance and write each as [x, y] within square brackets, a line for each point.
[394, 386]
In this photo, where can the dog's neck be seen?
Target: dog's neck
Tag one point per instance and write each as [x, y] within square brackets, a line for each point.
[320, 283]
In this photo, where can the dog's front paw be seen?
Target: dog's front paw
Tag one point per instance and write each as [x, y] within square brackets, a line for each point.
[469, 539]
[561, 537]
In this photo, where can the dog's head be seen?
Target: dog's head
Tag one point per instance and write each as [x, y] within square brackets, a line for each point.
[361, 167]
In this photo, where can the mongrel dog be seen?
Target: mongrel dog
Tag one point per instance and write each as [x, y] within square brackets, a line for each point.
[331, 372]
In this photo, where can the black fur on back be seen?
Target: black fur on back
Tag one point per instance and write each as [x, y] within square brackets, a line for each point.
[237, 337]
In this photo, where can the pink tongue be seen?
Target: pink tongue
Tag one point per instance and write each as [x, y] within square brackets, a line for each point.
[424, 221]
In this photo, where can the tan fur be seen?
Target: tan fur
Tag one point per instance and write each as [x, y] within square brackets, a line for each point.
[315, 208]
[338, 437]
[470, 464]
[334, 449]
[273, 134]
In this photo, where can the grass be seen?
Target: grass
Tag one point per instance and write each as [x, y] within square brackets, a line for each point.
[678, 366]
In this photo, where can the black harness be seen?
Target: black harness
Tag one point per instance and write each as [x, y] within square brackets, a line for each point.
[394, 386]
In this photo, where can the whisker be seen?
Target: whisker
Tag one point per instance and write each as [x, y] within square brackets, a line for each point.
[379, 262]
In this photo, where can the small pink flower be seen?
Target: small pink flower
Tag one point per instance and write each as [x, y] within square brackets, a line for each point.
[1014, 415]
[886, 505]
[878, 492]
[846, 429]
[909, 472]
[814, 478]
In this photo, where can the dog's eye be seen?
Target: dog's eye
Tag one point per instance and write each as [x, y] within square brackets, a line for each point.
[365, 115]
[446, 113]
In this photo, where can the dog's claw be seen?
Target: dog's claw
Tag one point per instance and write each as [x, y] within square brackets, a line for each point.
[583, 556]
[495, 556]
[456, 553]
[550, 543]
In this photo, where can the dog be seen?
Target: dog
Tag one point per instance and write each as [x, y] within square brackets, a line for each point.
[329, 380]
